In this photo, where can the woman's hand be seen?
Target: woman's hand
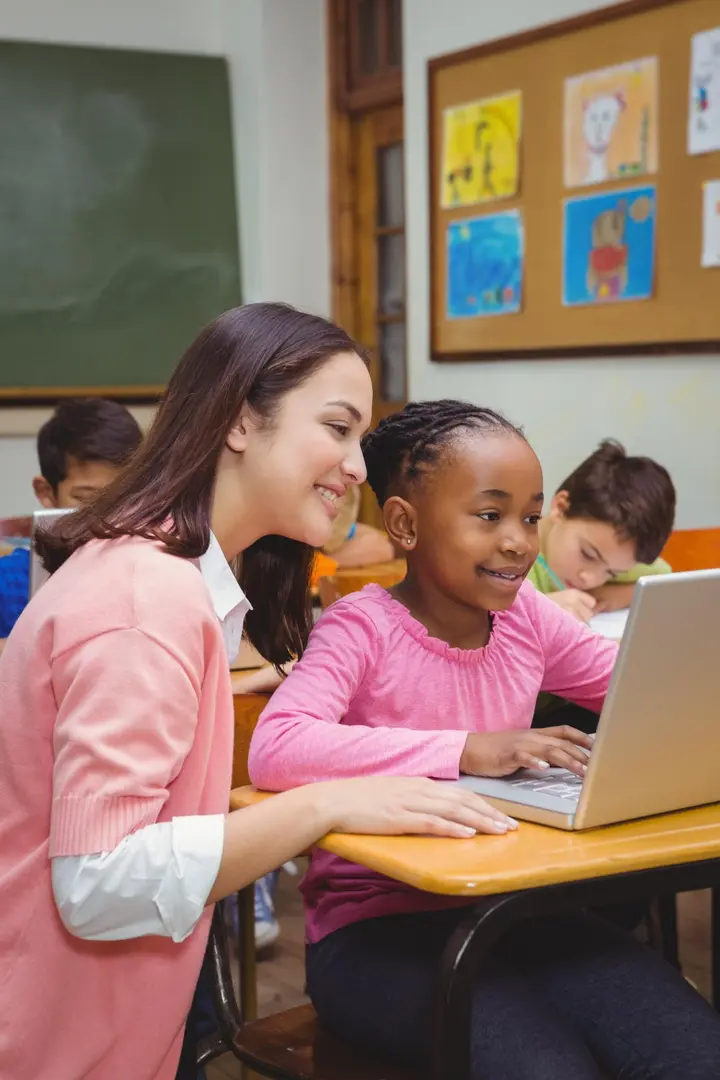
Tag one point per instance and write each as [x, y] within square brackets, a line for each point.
[499, 753]
[392, 806]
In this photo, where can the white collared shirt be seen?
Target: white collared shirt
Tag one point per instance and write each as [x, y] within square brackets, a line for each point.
[158, 879]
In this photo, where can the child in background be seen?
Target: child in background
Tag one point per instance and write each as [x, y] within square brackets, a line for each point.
[354, 544]
[81, 449]
[607, 525]
[438, 676]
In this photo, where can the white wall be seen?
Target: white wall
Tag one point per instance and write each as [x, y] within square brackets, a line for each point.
[276, 54]
[665, 407]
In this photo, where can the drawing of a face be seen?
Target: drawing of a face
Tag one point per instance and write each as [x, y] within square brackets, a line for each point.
[609, 227]
[600, 118]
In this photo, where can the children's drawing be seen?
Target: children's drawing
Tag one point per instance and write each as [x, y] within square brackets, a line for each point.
[711, 224]
[609, 246]
[610, 123]
[704, 115]
[481, 151]
[485, 265]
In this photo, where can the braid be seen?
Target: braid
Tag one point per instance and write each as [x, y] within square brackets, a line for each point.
[403, 445]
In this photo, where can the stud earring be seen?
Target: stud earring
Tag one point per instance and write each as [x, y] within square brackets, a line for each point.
[408, 541]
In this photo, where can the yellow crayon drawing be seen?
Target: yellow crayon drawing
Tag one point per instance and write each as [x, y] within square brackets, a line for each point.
[481, 151]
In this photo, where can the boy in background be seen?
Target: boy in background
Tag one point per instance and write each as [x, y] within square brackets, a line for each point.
[608, 523]
[81, 449]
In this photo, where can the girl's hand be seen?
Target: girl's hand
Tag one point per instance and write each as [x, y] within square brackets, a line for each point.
[578, 603]
[499, 753]
[393, 806]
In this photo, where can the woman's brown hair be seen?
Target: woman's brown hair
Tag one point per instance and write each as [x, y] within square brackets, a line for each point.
[252, 354]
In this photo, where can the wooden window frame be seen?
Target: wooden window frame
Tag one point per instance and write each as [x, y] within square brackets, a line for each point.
[353, 92]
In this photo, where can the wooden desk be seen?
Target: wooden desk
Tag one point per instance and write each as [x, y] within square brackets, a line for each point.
[532, 872]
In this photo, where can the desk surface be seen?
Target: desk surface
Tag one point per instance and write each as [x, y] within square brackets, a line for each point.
[533, 856]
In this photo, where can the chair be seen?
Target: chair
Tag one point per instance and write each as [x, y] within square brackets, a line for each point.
[288, 1046]
[247, 709]
[693, 549]
[344, 582]
[15, 526]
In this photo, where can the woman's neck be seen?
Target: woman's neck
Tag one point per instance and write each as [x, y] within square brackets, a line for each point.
[443, 617]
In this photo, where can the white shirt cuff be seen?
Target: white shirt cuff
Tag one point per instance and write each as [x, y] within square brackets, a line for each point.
[156, 881]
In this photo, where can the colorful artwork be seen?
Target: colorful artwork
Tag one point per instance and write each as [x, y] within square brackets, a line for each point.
[704, 116]
[711, 224]
[609, 246]
[481, 151]
[610, 123]
[485, 258]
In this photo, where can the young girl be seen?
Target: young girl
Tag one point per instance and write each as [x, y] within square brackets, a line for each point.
[436, 677]
[117, 719]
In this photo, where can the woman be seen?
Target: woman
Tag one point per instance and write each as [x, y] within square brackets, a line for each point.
[117, 720]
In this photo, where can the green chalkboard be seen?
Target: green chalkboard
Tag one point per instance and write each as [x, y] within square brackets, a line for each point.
[118, 226]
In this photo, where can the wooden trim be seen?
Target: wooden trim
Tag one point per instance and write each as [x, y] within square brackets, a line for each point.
[389, 230]
[379, 91]
[372, 91]
[548, 30]
[659, 348]
[37, 395]
[343, 184]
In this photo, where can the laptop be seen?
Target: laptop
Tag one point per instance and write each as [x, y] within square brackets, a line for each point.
[41, 520]
[657, 746]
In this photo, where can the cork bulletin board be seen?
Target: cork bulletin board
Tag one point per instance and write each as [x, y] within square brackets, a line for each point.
[526, 80]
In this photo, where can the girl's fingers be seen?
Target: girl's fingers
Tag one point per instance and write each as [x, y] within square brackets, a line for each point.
[562, 759]
[571, 734]
[526, 760]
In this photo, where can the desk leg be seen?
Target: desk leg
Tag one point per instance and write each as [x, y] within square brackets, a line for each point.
[462, 959]
[715, 946]
[246, 953]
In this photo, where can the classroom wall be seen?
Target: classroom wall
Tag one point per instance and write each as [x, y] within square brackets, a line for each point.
[665, 407]
[276, 54]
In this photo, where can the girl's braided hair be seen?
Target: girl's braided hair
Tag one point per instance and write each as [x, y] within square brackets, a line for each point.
[406, 443]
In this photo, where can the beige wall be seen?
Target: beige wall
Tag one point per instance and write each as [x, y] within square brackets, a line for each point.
[665, 407]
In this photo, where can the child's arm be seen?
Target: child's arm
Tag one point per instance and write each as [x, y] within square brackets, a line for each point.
[578, 662]
[618, 593]
[263, 681]
[366, 546]
[613, 597]
[300, 739]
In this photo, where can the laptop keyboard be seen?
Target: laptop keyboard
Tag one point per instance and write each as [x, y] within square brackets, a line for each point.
[569, 788]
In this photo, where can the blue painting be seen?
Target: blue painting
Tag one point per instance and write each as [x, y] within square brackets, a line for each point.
[609, 246]
[485, 265]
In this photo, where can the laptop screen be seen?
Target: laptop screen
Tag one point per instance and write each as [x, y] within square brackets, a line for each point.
[42, 519]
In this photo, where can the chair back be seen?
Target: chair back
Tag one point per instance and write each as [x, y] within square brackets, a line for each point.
[247, 709]
[344, 582]
[693, 549]
[16, 526]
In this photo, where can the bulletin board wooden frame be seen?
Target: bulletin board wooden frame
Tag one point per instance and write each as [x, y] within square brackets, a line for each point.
[683, 314]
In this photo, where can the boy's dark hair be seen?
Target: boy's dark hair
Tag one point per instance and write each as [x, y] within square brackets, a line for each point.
[407, 443]
[633, 494]
[87, 429]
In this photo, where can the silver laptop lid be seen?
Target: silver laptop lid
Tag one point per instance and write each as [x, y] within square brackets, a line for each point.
[41, 519]
[658, 740]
